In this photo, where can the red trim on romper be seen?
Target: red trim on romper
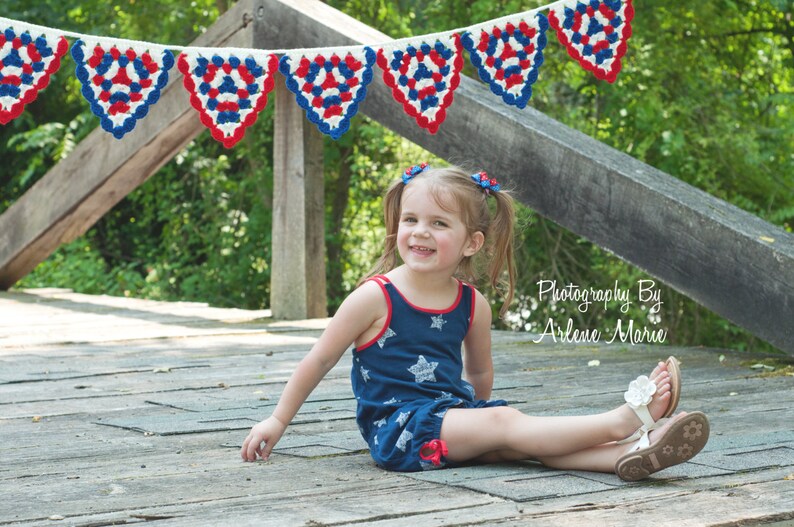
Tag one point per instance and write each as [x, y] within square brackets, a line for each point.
[473, 302]
[433, 311]
[379, 279]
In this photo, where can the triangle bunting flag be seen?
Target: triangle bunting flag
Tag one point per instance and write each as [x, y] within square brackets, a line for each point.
[508, 57]
[26, 64]
[595, 33]
[228, 91]
[423, 78]
[120, 84]
[329, 89]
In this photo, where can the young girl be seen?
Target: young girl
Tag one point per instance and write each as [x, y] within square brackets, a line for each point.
[408, 321]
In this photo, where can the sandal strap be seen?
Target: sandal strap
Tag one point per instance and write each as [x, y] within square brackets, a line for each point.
[642, 432]
[638, 396]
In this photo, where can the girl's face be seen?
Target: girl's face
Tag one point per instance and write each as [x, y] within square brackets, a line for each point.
[430, 238]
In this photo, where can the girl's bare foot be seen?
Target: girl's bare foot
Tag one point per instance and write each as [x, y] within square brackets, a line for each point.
[661, 399]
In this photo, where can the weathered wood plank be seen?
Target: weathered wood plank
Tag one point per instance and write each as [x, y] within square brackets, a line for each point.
[297, 284]
[711, 251]
[102, 170]
[215, 479]
[66, 464]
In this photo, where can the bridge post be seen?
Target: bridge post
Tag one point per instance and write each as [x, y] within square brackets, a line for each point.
[297, 280]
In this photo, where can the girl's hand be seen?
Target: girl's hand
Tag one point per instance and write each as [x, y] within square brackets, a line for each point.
[268, 432]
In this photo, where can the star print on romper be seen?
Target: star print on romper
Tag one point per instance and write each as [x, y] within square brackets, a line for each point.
[438, 322]
[382, 340]
[403, 418]
[364, 374]
[402, 441]
[423, 370]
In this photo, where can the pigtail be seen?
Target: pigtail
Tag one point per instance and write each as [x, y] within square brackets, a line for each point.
[391, 215]
[502, 260]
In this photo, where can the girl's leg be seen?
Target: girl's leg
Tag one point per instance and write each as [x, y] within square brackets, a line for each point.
[471, 433]
[601, 458]
[502, 433]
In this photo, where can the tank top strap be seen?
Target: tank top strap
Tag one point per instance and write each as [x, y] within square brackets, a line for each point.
[472, 299]
[381, 280]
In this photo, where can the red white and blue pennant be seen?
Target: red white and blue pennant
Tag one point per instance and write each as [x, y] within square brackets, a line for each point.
[595, 33]
[26, 63]
[329, 88]
[228, 90]
[508, 56]
[120, 84]
[122, 80]
[423, 78]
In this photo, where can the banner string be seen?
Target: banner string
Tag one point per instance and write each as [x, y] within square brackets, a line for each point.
[122, 79]
[386, 46]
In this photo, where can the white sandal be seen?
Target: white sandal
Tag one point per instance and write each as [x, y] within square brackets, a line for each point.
[640, 394]
[638, 397]
[685, 438]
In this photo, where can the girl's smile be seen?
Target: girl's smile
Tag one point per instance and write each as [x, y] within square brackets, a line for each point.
[421, 251]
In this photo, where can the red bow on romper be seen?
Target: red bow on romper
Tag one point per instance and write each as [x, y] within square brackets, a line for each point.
[438, 447]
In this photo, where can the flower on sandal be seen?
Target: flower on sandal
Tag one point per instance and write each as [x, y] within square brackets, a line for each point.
[668, 450]
[685, 451]
[640, 392]
[692, 430]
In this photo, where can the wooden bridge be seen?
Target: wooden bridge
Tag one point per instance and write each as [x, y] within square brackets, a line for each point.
[120, 411]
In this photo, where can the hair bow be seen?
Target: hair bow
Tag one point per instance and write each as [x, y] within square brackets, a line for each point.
[487, 184]
[411, 172]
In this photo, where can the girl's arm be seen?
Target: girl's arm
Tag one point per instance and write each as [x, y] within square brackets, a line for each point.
[477, 357]
[356, 314]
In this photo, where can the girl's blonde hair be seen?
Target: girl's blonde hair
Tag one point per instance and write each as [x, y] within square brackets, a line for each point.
[455, 191]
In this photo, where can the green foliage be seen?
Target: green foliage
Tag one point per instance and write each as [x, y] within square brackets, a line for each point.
[705, 94]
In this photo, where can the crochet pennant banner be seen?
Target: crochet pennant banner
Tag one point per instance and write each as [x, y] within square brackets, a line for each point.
[423, 78]
[120, 84]
[122, 80]
[329, 89]
[227, 91]
[26, 64]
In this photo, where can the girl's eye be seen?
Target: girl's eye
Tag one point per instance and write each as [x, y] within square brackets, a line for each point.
[409, 220]
[440, 224]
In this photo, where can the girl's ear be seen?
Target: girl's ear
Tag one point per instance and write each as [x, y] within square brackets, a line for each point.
[476, 242]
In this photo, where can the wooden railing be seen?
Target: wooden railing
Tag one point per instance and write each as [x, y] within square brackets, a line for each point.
[722, 257]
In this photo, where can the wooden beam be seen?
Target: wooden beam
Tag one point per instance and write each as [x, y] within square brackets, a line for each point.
[297, 280]
[728, 260]
[101, 170]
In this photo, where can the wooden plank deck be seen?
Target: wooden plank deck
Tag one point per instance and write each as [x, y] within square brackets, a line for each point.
[118, 411]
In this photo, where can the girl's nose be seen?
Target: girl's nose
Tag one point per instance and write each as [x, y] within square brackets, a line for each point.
[420, 232]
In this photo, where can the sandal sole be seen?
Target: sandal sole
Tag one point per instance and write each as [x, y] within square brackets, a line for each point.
[680, 443]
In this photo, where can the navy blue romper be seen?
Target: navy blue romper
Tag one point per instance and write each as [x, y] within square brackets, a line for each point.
[408, 376]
